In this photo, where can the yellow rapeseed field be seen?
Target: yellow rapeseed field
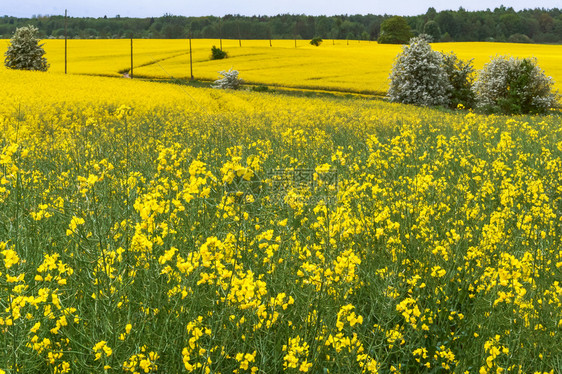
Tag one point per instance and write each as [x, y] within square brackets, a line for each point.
[148, 227]
[358, 66]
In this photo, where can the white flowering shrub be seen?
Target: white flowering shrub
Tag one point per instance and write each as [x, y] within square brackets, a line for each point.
[418, 76]
[25, 52]
[514, 86]
[229, 80]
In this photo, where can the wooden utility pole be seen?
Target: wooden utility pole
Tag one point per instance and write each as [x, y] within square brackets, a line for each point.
[220, 31]
[269, 34]
[239, 37]
[131, 75]
[190, 57]
[65, 41]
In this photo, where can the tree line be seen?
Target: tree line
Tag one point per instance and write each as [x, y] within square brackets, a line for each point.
[501, 24]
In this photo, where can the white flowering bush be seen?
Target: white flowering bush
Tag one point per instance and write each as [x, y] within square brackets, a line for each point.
[514, 86]
[418, 76]
[229, 80]
[25, 52]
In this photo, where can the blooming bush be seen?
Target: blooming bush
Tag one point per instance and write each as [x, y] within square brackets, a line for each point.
[24, 52]
[229, 80]
[514, 86]
[418, 76]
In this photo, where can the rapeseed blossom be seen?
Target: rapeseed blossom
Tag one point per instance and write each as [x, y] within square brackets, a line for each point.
[148, 227]
[280, 64]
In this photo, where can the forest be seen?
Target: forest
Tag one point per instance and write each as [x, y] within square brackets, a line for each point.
[502, 24]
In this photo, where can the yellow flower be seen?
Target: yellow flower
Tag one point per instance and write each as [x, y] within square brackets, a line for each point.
[437, 271]
[101, 348]
[74, 222]
[10, 258]
[305, 366]
[35, 327]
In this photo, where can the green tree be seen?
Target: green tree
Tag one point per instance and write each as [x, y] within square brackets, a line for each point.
[447, 23]
[395, 30]
[432, 29]
[461, 77]
[217, 53]
[539, 24]
[25, 52]
[519, 38]
[316, 41]
[431, 13]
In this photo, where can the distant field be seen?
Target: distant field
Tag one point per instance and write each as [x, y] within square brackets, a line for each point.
[358, 66]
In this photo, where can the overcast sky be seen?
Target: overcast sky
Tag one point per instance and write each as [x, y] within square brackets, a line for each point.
[148, 8]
